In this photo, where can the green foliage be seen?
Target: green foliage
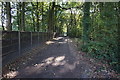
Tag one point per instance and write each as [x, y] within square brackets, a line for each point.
[95, 23]
[103, 35]
[75, 32]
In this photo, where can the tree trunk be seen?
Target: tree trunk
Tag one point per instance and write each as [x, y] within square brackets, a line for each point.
[71, 20]
[18, 16]
[8, 16]
[33, 17]
[86, 22]
[2, 15]
[37, 15]
[42, 13]
[118, 33]
[23, 16]
[51, 17]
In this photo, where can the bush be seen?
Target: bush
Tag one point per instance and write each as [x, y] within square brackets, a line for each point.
[103, 51]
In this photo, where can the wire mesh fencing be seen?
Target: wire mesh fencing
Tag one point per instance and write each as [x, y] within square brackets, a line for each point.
[15, 43]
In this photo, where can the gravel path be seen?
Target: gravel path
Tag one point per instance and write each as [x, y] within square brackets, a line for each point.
[60, 60]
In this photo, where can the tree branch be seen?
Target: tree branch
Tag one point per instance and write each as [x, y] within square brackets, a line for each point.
[58, 6]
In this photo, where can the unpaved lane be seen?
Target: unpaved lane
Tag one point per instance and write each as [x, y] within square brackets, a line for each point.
[60, 60]
[56, 61]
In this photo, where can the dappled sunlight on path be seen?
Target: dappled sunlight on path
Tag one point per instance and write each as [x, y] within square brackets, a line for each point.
[58, 60]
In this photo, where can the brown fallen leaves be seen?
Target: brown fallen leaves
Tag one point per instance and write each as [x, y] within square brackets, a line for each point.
[97, 68]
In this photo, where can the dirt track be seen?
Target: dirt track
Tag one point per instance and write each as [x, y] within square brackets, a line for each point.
[60, 59]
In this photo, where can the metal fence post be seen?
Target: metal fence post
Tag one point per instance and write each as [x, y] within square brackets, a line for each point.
[38, 38]
[31, 39]
[1, 54]
[42, 37]
[19, 42]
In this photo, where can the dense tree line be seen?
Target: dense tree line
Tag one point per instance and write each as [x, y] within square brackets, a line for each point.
[100, 31]
[26, 16]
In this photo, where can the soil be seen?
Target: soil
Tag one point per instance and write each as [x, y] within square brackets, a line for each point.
[59, 58]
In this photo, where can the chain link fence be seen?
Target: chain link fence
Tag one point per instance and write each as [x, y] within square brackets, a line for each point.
[15, 43]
